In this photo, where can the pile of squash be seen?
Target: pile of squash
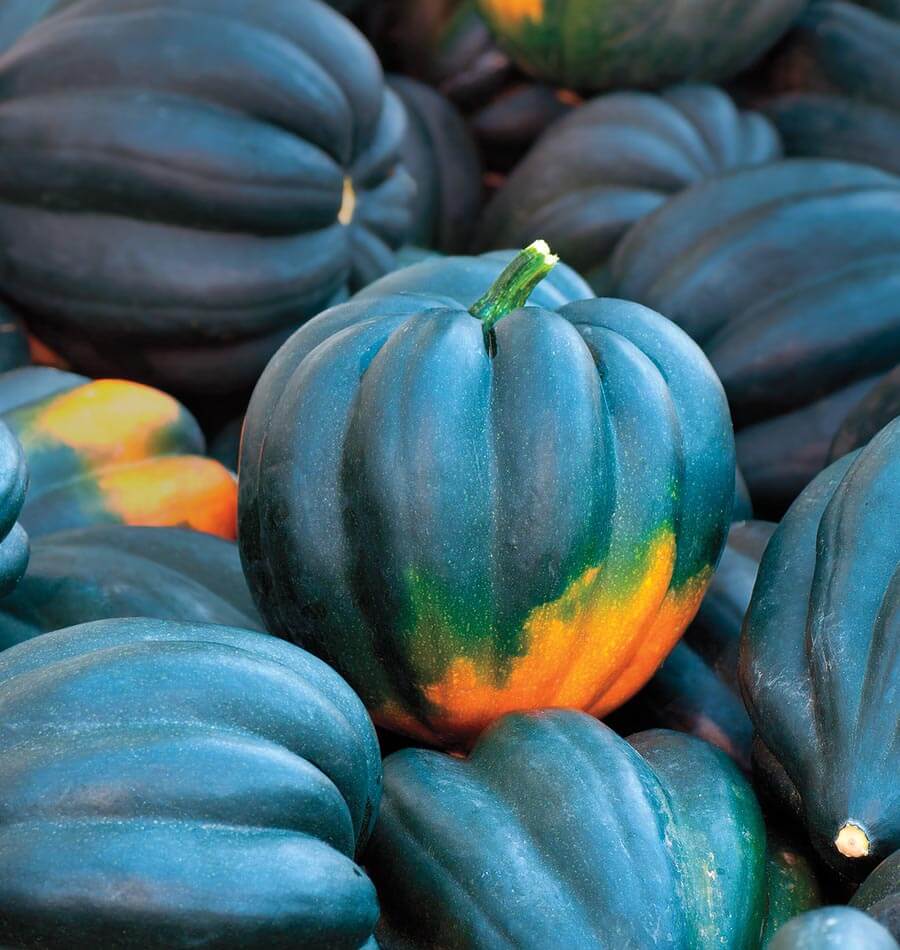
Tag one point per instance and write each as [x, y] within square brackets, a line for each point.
[449, 475]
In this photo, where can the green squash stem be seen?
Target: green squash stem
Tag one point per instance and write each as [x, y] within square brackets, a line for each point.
[512, 288]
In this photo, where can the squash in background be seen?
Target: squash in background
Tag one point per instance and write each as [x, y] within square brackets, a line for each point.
[833, 928]
[174, 785]
[13, 483]
[173, 218]
[591, 45]
[878, 407]
[112, 452]
[820, 662]
[788, 275]
[595, 172]
[555, 832]
[469, 512]
[879, 894]
[112, 571]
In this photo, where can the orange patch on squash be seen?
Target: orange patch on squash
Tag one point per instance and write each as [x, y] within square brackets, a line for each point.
[514, 12]
[173, 491]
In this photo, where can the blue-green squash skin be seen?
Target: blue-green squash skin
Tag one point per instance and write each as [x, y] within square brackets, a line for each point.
[613, 160]
[833, 928]
[696, 690]
[112, 571]
[767, 262]
[819, 659]
[13, 341]
[172, 785]
[464, 502]
[869, 416]
[174, 218]
[556, 832]
[440, 155]
[13, 485]
[879, 894]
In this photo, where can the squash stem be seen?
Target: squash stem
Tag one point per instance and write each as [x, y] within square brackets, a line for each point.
[513, 287]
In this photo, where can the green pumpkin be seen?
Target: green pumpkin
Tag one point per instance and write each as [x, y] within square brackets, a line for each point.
[595, 172]
[595, 44]
[761, 267]
[170, 785]
[833, 928]
[13, 483]
[879, 894]
[173, 218]
[468, 512]
[696, 689]
[440, 155]
[555, 832]
[878, 407]
[819, 659]
[123, 571]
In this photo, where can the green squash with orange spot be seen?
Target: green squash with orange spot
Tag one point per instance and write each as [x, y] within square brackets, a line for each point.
[470, 506]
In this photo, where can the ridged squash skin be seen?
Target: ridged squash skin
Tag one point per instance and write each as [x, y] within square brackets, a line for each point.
[833, 928]
[596, 45]
[879, 894]
[13, 485]
[696, 690]
[440, 155]
[615, 159]
[869, 416]
[762, 267]
[113, 571]
[464, 534]
[111, 451]
[172, 786]
[556, 832]
[819, 660]
[173, 218]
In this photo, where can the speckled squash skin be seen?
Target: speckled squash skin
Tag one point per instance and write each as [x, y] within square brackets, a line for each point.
[556, 832]
[696, 689]
[113, 571]
[879, 894]
[112, 452]
[204, 202]
[833, 928]
[461, 534]
[762, 267]
[441, 157]
[595, 172]
[819, 658]
[598, 44]
[170, 785]
[13, 485]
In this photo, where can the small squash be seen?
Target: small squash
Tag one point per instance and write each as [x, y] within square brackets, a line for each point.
[820, 663]
[171, 785]
[473, 511]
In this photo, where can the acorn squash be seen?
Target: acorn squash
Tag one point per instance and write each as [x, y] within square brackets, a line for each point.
[879, 406]
[595, 172]
[13, 483]
[833, 928]
[184, 182]
[820, 663]
[174, 785]
[473, 511]
[762, 267]
[112, 452]
[643, 43]
[879, 894]
[110, 571]
[555, 832]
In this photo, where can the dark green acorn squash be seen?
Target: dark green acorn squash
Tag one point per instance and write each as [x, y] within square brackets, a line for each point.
[122, 571]
[820, 661]
[13, 483]
[788, 276]
[469, 512]
[184, 182]
[615, 159]
[555, 832]
[696, 689]
[593, 45]
[13, 341]
[439, 153]
[880, 405]
[833, 928]
[879, 894]
[169, 785]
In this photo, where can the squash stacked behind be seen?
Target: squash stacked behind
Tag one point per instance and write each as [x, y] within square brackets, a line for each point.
[13, 539]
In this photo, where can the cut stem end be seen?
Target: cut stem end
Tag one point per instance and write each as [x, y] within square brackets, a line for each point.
[852, 841]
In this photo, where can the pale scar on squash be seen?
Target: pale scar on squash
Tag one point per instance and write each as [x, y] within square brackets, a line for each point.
[515, 12]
